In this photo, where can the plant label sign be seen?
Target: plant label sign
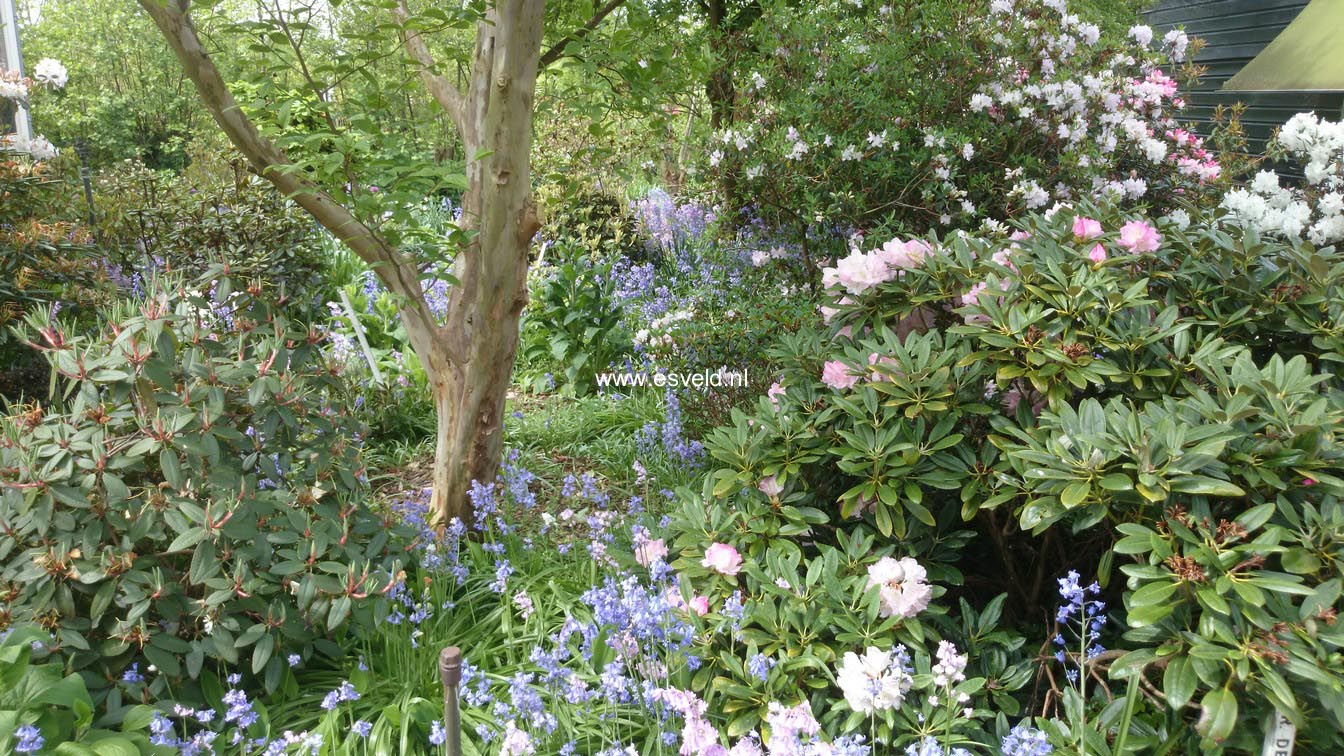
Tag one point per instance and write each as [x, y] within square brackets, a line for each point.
[1279, 738]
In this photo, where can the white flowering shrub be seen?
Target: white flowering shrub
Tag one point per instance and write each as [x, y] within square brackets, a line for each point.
[49, 75]
[950, 113]
[1313, 210]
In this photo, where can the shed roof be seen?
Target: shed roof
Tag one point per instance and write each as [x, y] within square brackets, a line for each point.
[1308, 55]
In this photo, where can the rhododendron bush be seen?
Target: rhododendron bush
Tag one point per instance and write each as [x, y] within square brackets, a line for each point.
[955, 114]
[1154, 396]
[192, 501]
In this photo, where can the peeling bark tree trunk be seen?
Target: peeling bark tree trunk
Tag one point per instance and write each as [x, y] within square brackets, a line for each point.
[485, 307]
[469, 357]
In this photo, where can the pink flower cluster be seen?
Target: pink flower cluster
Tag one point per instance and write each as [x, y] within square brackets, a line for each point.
[861, 271]
[793, 730]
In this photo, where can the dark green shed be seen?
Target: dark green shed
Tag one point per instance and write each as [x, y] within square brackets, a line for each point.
[1235, 32]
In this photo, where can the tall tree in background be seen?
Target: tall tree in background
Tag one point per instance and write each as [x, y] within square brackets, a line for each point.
[469, 353]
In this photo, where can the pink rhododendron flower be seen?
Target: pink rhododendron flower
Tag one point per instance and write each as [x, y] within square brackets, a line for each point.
[770, 486]
[859, 272]
[1098, 254]
[774, 392]
[884, 361]
[972, 297]
[1086, 228]
[918, 249]
[902, 585]
[903, 254]
[1020, 235]
[723, 559]
[1140, 236]
[651, 551]
[836, 375]
[790, 726]
[700, 605]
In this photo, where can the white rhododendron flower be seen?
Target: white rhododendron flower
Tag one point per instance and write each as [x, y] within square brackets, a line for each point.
[50, 73]
[902, 586]
[876, 681]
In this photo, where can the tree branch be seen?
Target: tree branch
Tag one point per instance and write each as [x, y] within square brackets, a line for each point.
[272, 164]
[443, 91]
[557, 50]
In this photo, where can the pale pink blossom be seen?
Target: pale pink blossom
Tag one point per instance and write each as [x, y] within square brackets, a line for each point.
[903, 254]
[836, 375]
[723, 559]
[859, 272]
[651, 551]
[1098, 254]
[774, 392]
[770, 486]
[972, 297]
[700, 605]
[1086, 228]
[1140, 236]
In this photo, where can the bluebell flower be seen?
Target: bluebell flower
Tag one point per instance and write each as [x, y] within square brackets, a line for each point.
[30, 739]
[1025, 740]
[132, 674]
[437, 734]
[760, 665]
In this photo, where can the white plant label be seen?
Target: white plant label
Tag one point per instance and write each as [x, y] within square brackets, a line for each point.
[1279, 738]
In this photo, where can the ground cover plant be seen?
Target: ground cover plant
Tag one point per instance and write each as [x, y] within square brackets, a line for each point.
[890, 378]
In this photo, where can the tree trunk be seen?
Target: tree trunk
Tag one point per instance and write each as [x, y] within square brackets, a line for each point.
[469, 357]
[488, 302]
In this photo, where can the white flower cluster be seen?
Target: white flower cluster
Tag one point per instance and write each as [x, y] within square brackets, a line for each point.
[1121, 106]
[38, 148]
[1314, 211]
[13, 86]
[658, 334]
[48, 73]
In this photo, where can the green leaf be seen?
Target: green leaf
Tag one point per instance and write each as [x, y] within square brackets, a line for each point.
[137, 717]
[1219, 715]
[1075, 494]
[1201, 485]
[1179, 681]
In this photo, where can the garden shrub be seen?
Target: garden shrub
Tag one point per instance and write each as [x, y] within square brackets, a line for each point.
[216, 212]
[573, 321]
[917, 115]
[1097, 386]
[1313, 209]
[45, 259]
[192, 499]
[42, 704]
[394, 396]
[594, 220]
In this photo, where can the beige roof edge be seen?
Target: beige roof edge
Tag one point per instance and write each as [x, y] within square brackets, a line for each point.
[1307, 56]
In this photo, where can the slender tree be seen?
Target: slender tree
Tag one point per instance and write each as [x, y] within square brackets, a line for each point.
[469, 354]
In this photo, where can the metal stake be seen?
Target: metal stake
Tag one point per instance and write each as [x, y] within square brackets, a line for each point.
[450, 673]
